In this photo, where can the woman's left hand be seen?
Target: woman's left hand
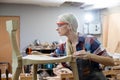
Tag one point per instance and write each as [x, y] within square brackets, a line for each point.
[82, 55]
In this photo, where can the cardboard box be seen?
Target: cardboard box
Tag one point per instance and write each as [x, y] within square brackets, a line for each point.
[118, 77]
[6, 79]
[64, 76]
[25, 77]
[53, 78]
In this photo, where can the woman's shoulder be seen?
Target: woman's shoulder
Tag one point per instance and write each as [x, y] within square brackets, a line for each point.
[88, 37]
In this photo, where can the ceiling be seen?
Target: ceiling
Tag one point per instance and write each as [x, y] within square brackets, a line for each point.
[84, 4]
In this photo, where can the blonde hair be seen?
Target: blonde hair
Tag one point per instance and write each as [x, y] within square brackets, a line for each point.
[70, 19]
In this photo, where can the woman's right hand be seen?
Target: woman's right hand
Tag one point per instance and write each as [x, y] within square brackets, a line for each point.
[82, 54]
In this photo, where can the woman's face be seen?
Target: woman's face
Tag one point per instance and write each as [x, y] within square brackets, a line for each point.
[63, 28]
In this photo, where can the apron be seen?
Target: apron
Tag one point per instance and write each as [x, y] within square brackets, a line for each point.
[87, 72]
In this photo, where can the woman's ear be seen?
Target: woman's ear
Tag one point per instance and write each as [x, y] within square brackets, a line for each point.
[69, 27]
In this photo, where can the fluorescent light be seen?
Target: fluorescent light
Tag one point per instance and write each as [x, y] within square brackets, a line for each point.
[88, 17]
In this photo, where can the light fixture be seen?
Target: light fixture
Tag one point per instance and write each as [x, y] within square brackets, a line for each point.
[88, 17]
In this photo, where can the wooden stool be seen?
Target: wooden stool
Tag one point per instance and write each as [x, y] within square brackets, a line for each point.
[4, 69]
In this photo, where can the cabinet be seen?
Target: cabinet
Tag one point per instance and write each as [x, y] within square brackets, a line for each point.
[5, 48]
[92, 28]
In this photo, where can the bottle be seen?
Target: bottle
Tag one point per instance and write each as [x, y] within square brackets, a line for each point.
[28, 50]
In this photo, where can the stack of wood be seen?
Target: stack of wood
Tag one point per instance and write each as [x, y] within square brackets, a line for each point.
[114, 72]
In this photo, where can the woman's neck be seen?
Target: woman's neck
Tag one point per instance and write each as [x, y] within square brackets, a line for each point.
[73, 38]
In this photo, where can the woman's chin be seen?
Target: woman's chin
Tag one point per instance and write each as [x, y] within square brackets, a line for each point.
[60, 35]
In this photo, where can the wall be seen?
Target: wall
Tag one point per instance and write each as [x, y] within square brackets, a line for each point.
[96, 19]
[111, 27]
[38, 22]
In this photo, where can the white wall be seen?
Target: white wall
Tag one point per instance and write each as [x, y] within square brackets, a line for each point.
[39, 22]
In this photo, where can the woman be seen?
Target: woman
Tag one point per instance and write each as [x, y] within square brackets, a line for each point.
[87, 49]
